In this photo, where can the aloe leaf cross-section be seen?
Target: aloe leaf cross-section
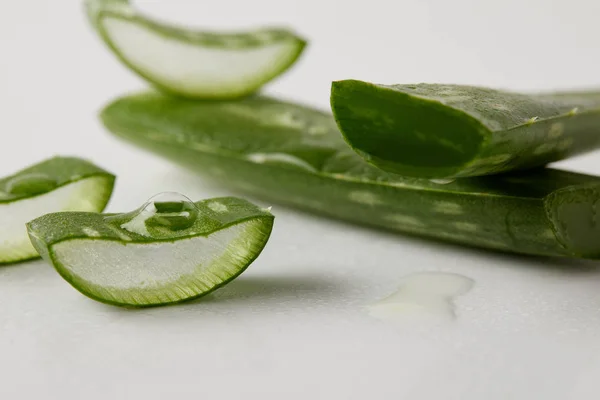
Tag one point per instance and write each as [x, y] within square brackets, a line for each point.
[446, 131]
[168, 251]
[292, 154]
[191, 63]
[56, 184]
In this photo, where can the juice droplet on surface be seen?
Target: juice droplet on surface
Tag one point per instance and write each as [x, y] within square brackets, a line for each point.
[425, 294]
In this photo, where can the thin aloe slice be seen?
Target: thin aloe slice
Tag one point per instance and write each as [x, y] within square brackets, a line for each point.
[168, 251]
[192, 63]
[295, 155]
[57, 184]
[444, 131]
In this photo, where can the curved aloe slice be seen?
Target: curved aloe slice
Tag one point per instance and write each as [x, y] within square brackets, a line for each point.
[441, 131]
[192, 63]
[169, 250]
[57, 184]
[295, 155]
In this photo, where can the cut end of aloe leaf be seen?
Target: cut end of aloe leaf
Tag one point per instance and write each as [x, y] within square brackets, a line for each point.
[57, 184]
[575, 216]
[191, 63]
[168, 251]
[402, 133]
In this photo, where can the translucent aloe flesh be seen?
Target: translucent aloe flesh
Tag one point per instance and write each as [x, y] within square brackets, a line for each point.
[57, 184]
[192, 63]
[444, 131]
[295, 155]
[165, 252]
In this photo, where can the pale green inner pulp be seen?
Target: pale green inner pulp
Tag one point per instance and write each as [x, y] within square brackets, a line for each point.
[191, 68]
[83, 195]
[159, 272]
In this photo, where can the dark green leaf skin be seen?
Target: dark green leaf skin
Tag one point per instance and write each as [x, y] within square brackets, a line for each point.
[50, 230]
[446, 131]
[295, 155]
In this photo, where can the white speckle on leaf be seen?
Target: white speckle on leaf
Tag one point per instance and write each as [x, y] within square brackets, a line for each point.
[217, 207]
[544, 148]
[317, 130]
[405, 220]
[91, 232]
[447, 207]
[441, 181]
[364, 197]
[556, 130]
[549, 234]
[493, 160]
[466, 226]
[564, 144]
[285, 119]
[262, 158]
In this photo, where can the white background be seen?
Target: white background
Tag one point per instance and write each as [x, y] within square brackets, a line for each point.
[295, 325]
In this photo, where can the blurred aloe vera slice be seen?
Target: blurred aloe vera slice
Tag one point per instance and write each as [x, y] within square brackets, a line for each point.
[57, 184]
[445, 131]
[168, 251]
[295, 155]
[192, 63]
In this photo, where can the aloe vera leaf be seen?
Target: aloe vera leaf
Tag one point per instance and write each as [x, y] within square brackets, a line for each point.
[157, 254]
[56, 184]
[445, 131]
[192, 63]
[295, 155]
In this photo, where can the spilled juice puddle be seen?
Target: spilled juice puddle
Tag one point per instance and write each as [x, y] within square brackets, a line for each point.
[425, 295]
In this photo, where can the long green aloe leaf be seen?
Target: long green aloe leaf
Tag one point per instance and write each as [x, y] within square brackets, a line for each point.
[168, 251]
[57, 184]
[295, 155]
[191, 63]
[444, 131]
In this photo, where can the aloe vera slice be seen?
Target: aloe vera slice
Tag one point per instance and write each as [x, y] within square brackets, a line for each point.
[295, 155]
[444, 131]
[57, 184]
[192, 63]
[168, 251]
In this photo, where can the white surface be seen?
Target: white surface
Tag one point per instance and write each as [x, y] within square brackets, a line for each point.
[295, 325]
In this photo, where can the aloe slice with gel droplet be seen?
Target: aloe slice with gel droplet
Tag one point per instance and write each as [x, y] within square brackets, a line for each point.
[192, 63]
[57, 184]
[446, 131]
[167, 251]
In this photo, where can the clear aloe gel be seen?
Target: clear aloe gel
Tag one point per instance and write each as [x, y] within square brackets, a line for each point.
[192, 63]
[167, 251]
[292, 154]
[57, 184]
[445, 131]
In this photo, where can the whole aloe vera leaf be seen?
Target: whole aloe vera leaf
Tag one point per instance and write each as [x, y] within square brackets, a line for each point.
[445, 131]
[192, 63]
[295, 155]
[56, 184]
[155, 255]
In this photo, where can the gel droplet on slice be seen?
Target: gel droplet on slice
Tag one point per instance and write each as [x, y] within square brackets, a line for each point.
[168, 210]
[31, 184]
[173, 211]
[426, 294]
